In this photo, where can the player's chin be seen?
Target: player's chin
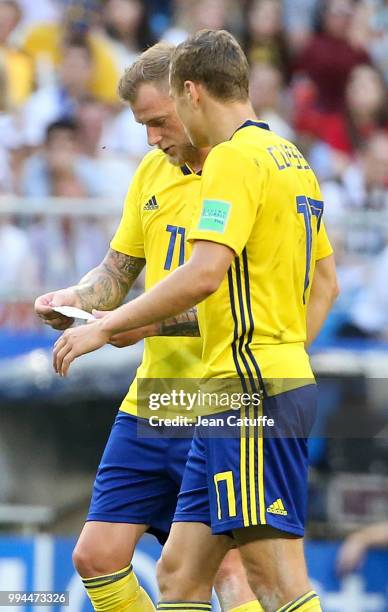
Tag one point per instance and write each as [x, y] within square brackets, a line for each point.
[175, 159]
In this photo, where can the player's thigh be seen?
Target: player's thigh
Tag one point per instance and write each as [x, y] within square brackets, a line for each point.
[273, 560]
[191, 554]
[104, 547]
[133, 484]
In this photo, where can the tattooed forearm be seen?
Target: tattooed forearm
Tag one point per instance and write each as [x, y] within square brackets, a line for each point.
[106, 286]
[185, 324]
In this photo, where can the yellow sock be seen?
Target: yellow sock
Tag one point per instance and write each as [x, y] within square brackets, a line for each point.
[251, 606]
[118, 592]
[309, 602]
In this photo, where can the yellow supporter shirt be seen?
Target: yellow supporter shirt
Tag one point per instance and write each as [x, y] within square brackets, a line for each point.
[157, 215]
[20, 74]
[260, 198]
[45, 41]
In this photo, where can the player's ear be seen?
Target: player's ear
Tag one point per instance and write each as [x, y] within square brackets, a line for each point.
[190, 90]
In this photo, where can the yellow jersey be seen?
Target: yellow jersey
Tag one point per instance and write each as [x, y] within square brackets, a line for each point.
[44, 41]
[20, 74]
[260, 198]
[157, 215]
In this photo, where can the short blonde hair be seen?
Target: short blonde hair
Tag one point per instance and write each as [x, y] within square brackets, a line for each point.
[152, 66]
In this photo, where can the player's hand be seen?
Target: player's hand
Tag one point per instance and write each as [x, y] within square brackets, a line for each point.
[127, 338]
[44, 303]
[351, 554]
[75, 342]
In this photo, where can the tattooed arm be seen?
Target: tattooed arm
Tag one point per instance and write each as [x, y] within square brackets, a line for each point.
[110, 282]
[185, 324]
[104, 287]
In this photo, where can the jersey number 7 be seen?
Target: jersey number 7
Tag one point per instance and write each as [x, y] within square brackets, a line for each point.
[309, 207]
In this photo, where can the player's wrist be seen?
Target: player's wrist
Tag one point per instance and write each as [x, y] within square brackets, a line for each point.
[109, 327]
[104, 333]
[154, 329]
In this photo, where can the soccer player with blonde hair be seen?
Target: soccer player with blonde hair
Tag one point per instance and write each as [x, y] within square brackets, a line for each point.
[139, 477]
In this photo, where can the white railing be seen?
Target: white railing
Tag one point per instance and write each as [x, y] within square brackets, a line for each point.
[51, 242]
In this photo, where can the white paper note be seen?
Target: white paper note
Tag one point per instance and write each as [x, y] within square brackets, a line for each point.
[74, 313]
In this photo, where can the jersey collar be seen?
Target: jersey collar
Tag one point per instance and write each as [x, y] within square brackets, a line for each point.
[187, 170]
[250, 122]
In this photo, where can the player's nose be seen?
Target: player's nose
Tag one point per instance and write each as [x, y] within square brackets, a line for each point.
[153, 136]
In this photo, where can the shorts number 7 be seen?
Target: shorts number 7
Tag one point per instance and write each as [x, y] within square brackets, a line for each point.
[228, 478]
[309, 207]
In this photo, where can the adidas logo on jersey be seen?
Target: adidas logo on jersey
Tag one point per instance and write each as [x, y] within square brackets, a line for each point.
[151, 204]
[277, 508]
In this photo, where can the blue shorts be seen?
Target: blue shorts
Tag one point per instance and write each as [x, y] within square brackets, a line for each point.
[244, 475]
[139, 478]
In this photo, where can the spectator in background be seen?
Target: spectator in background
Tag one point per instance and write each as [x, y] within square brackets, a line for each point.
[212, 14]
[39, 10]
[16, 262]
[5, 166]
[364, 184]
[115, 169]
[91, 116]
[60, 99]
[60, 170]
[121, 134]
[365, 113]
[9, 139]
[268, 99]
[180, 25]
[265, 41]
[330, 56]
[362, 187]
[193, 15]
[126, 25]
[19, 67]
[158, 15]
[379, 40]
[18, 267]
[372, 30]
[46, 43]
[299, 18]
[368, 313]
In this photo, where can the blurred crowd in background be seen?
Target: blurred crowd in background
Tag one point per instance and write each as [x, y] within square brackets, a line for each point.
[319, 77]
[69, 148]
